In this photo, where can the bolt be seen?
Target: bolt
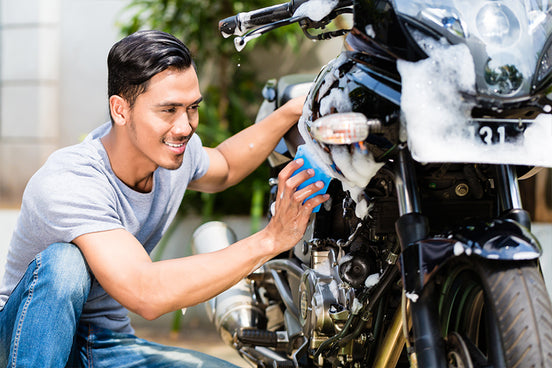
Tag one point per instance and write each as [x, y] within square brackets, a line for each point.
[461, 190]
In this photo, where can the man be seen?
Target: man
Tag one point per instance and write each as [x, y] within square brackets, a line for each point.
[93, 212]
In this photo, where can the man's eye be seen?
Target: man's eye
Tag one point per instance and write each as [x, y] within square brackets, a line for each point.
[193, 107]
[171, 110]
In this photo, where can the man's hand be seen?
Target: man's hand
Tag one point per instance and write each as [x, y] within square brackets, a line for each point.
[295, 106]
[291, 215]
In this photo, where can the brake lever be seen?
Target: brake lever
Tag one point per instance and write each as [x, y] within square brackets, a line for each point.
[241, 41]
[307, 24]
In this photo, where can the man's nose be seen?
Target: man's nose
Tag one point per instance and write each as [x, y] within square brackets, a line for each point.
[182, 125]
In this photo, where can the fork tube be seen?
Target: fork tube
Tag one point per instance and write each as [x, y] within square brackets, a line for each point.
[411, 227]
[508, 188]
[405, 184]
[509, 195]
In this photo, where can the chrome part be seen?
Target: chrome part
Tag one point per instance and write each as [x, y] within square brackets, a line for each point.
[235, 307]
[284, 265]
[405, 183]
[212, 236]
[284, 292]
[325, 300]
[508, 190]
[446, 19]
[292, 325]
[316, 299]
[261, 356]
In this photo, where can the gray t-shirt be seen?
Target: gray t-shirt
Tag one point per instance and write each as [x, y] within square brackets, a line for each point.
[76, 193]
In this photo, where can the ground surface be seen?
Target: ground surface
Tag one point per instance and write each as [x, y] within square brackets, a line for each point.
[195, 333]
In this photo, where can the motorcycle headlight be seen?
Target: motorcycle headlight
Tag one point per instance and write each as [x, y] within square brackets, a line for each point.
[501, 77]
[497, 24]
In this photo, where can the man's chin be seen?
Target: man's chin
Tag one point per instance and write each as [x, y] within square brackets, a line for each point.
[172, 165]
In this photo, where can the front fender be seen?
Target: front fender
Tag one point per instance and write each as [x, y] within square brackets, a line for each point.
[499, 239]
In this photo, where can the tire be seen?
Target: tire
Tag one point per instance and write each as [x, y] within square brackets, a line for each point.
[497, 313]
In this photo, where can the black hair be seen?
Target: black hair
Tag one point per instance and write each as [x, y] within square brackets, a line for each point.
[135, 59]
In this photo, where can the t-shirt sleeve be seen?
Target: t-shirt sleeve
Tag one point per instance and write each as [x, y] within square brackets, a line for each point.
[200, 158]
[72, 201]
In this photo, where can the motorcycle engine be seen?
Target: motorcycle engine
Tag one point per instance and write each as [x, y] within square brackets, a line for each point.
[326, 301]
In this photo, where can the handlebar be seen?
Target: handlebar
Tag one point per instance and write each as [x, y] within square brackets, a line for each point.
[240, 23]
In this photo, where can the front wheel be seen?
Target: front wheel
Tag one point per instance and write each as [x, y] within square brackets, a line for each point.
[495, 314]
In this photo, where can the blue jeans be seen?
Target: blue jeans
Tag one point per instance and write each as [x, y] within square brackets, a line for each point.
[39, 325]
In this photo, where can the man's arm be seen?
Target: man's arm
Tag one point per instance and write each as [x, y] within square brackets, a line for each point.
[239, 155]
[150, 289]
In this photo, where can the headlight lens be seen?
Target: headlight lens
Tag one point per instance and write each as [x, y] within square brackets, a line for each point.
[503, 78]
[497, 24]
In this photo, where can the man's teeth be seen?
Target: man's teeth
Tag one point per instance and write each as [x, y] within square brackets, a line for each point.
[174, 145]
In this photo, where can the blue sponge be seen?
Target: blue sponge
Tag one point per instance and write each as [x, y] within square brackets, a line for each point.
[319, 173]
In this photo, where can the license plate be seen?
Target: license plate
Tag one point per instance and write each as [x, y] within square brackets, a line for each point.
[491, 141]
[491, 131]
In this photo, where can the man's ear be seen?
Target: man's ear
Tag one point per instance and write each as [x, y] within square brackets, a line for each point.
[120, 109]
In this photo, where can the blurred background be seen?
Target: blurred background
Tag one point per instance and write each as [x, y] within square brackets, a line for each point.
[53, 78]
[53, 91]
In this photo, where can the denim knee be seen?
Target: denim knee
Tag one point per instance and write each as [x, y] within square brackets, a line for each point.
[69, 275]
[39, 319]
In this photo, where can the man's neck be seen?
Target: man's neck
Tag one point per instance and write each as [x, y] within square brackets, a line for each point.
[127, 170]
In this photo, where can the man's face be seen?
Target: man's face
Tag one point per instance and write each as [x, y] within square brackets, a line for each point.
[164, 117]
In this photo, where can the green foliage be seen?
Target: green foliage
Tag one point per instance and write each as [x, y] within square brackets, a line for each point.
[233, 86]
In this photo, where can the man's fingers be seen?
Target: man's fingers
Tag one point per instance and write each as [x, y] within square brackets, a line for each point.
[315, 201]
[289, 169]
[288, 181]
[290, 178]
[307, 191]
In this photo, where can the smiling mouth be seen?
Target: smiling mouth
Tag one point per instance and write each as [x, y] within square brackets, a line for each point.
[174, 145]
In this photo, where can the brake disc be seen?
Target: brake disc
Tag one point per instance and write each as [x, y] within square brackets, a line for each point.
[458, 355]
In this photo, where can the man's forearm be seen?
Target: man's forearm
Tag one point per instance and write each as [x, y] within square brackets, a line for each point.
[248, 149]
[188, 281]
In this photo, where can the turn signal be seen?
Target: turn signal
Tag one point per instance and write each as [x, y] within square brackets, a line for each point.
[342, 128]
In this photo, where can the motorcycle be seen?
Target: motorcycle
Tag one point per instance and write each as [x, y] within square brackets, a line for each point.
[423, 256]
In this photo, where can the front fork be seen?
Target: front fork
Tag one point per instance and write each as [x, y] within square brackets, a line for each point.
[412, 229]
[509, 196]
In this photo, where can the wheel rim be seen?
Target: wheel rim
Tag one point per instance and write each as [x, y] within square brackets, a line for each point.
[466, 313]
